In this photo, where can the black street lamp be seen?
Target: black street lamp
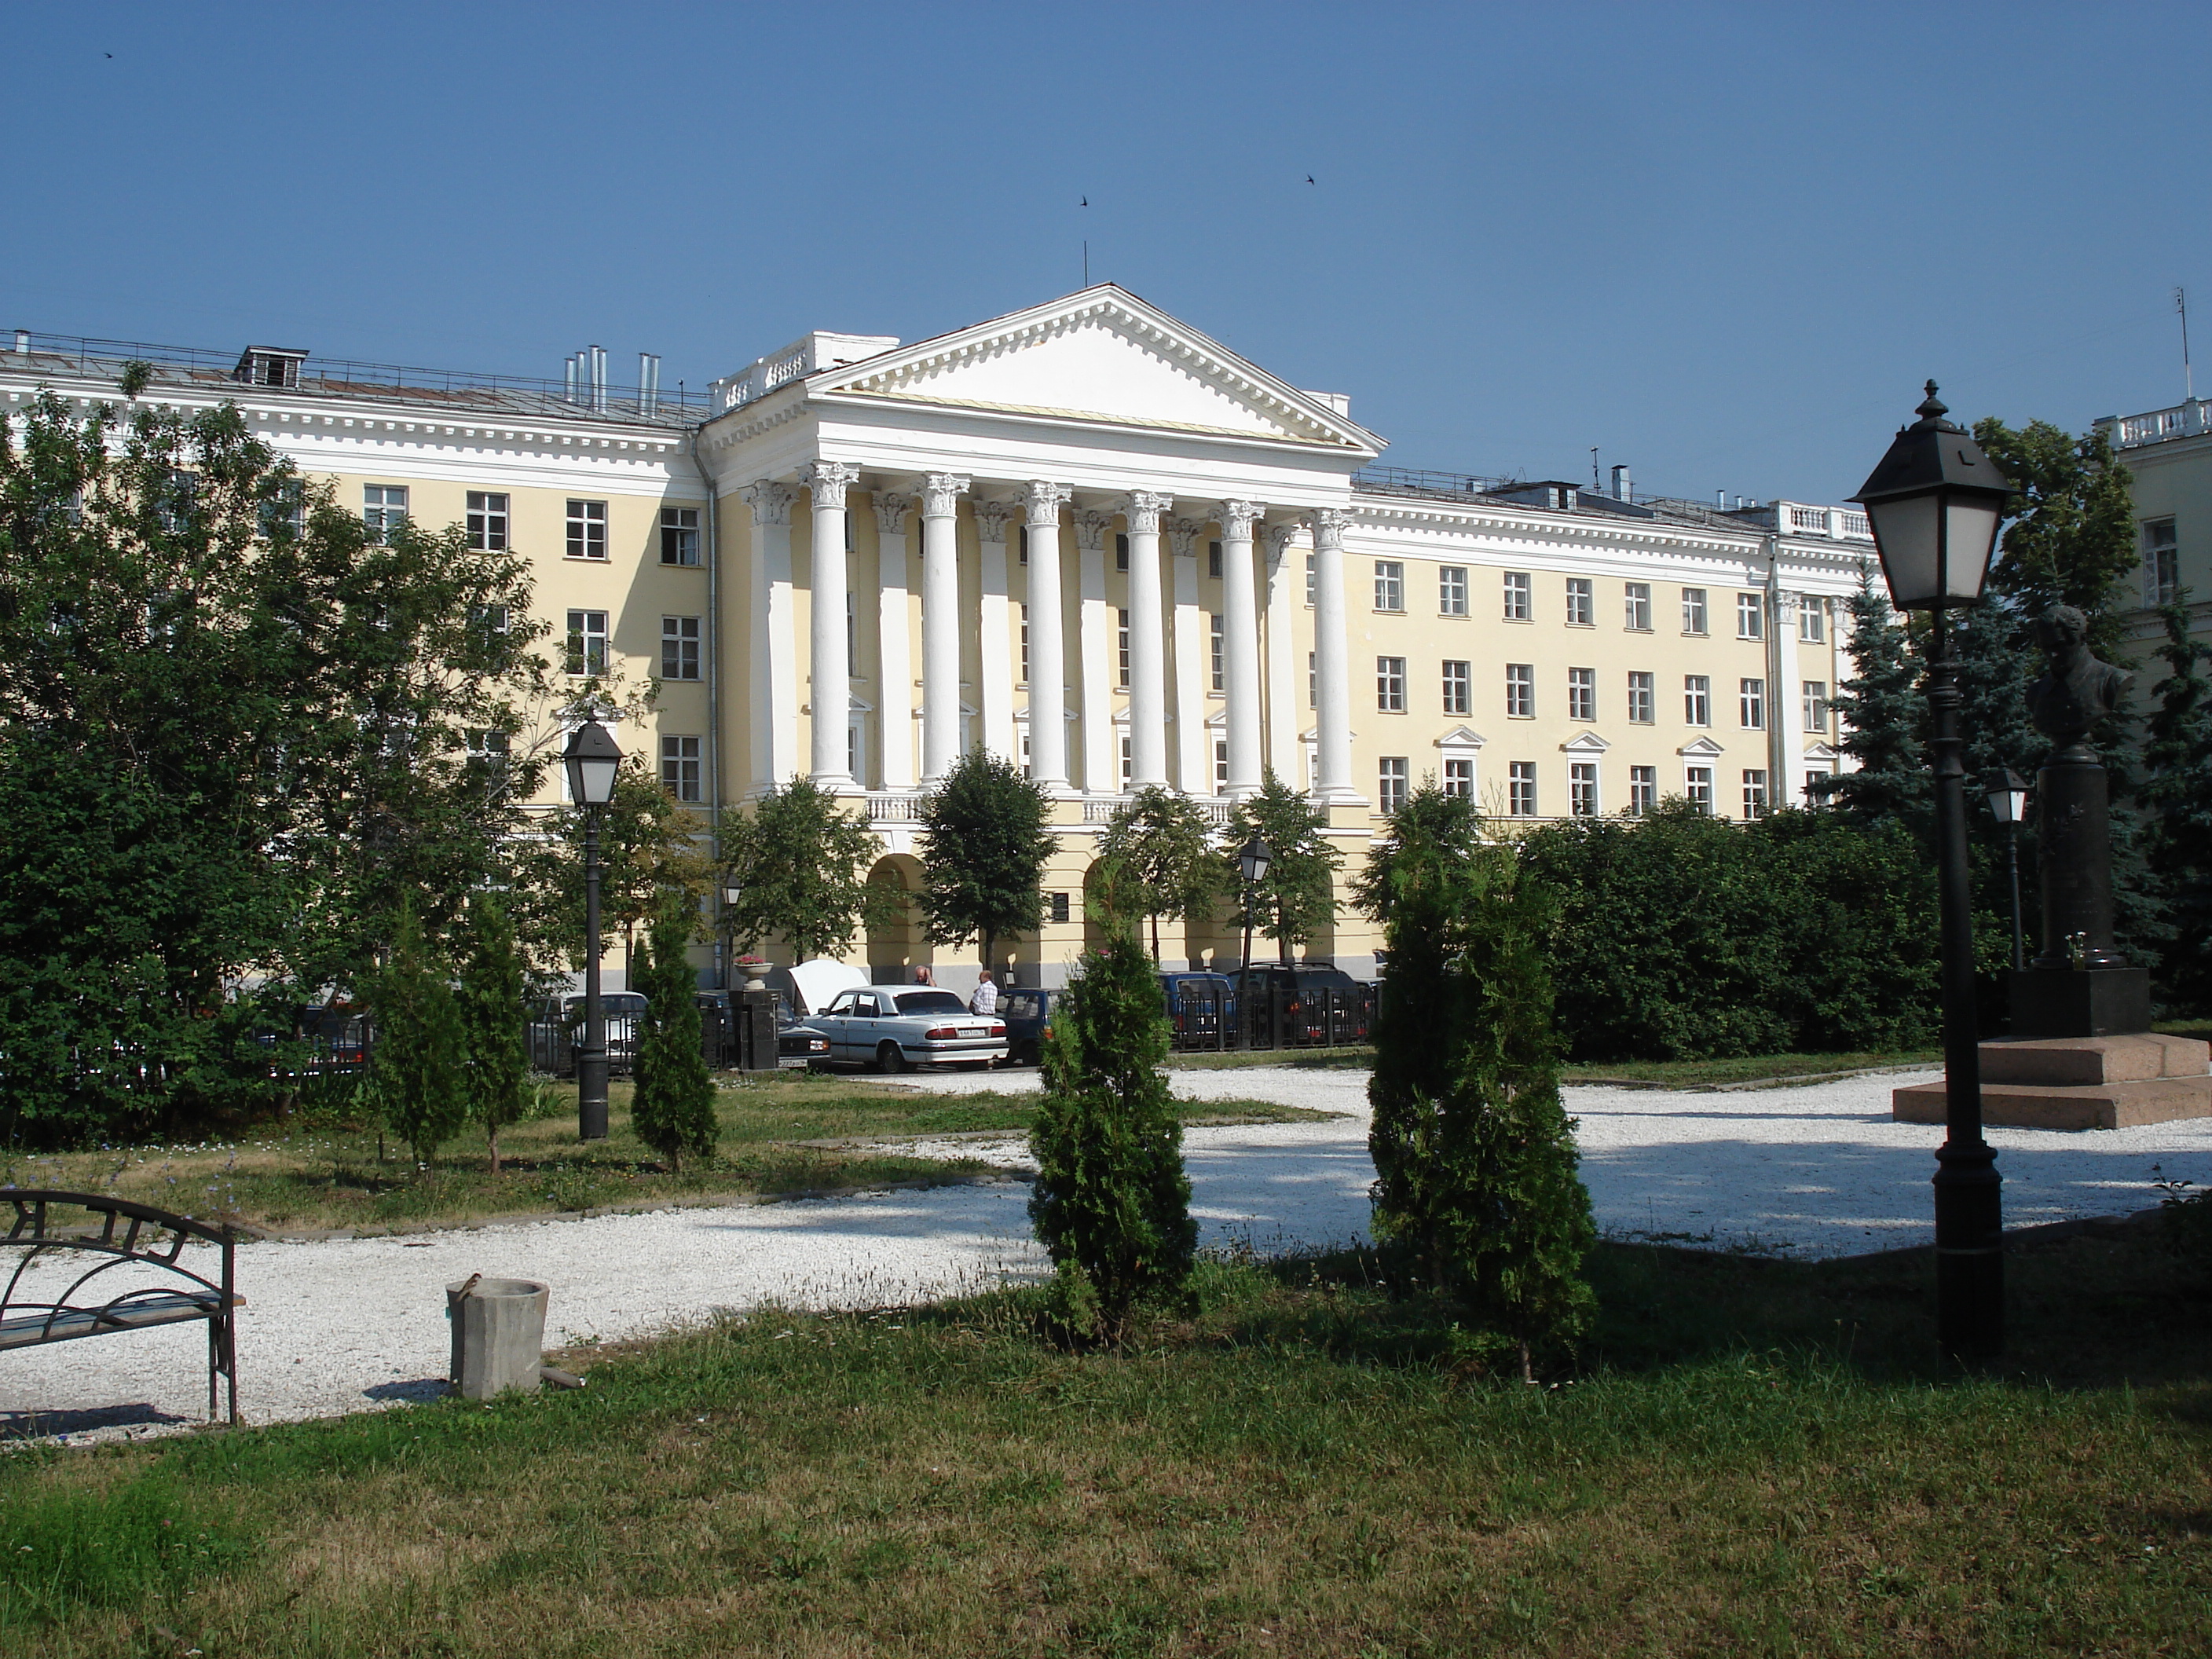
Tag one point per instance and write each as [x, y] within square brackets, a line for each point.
[592, 758]
[2008, 794]
[1252, 864]
[1935, 503]
[732, 893]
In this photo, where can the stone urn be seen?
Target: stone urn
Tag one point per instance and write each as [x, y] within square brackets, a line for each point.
[755, 974]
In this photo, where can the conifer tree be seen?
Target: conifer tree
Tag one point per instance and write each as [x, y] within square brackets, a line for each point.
[496, 1073]
[415, 1069]
[1884, 718]
[673, 1093]
[2177, 796]
[1111, 1203]
[1476, 1191]
[1158, 841]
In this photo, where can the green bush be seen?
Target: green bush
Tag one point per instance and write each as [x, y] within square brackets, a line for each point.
[414, 1083]
[672, 1105]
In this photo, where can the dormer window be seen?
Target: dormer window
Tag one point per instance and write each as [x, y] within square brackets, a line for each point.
[269, 365]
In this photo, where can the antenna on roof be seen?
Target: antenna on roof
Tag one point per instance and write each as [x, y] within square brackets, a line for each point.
[2188, 381]
[1594, 488]
[1087, 262]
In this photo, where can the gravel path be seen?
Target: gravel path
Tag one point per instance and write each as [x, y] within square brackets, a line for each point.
[345, 1324]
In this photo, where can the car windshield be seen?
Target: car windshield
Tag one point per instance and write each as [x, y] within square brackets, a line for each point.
[930, 1002]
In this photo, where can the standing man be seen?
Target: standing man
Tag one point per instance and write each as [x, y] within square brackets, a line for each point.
[986, 999]
[923, 976]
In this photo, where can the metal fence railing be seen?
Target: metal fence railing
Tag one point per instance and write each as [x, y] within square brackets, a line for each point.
[1205, 1016]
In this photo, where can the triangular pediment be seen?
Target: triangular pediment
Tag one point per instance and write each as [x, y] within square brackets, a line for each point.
[1700, 749]
[1588, 743]
[1102, 354]
[1460, 737]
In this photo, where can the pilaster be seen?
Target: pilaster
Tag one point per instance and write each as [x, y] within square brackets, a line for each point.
[994, 630]
[1101, 758]
[894, 632]
[773, 636]
[940, 623]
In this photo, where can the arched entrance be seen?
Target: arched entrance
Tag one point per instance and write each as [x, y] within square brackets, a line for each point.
[897, 944]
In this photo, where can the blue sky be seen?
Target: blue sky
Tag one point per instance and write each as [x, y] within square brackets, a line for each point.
[1722, 244]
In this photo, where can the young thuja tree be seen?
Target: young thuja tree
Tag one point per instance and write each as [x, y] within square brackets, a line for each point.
[1158, 839]
[1297, 898]
[414, 1070]
[496, 1048]
[1111, 1203]
[2177, 795]
[672, 1095]
[984, 846]
[1476, 1191]
[801, 867]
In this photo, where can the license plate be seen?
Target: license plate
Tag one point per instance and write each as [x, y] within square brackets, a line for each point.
[974, 1031]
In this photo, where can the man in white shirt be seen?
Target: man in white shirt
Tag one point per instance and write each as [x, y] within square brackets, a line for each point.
[986, 999]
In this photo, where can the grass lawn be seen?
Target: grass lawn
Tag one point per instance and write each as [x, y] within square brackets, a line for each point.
[1754, 1458]
[302, 1180]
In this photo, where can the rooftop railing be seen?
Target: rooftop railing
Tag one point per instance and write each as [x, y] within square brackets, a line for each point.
[2188, 419]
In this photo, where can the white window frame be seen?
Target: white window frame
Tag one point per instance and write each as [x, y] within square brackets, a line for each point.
[1521, 690]
[586, 529]
[1121, 646]
[683, 767]
[1459, 777]
[1697, 699]
[1635, 599]
[1521, 789]
[1451, 590]
[1393, 782]
[1811, 620]
[1754, 792]
[1390, 584]
[1390, 685]
[1458, 686]
[1751, 703]
[1518, 595]
[679, 536]
[487, 521]
[1697, 788]
[1581, 602]
[1643, 697]
[680, 648]
[1582, 695]
[1582, 789]
[1751, 615]
[586, 658]
[1643, 789]
[2161, 562]
[1694, 611]
[1216, 652]
[1816, 706]
[383, 509]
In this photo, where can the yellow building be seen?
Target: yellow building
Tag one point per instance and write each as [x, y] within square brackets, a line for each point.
[1089, 495]
[2169, 453]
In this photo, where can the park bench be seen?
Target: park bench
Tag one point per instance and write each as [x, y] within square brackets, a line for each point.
[126, 1236]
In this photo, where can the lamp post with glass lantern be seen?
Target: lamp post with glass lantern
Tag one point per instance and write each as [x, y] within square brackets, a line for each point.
[1935, 503]
[2008, 794]
[591, 758]
[1252, 864]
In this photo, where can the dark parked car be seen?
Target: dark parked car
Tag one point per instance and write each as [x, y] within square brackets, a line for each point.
[1308, 1006]
[1202, 1010]
[1027, 1015]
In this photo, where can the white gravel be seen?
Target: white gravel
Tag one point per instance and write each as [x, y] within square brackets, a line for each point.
[349, 1324]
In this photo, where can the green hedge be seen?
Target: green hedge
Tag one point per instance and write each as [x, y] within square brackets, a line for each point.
[1686, 937]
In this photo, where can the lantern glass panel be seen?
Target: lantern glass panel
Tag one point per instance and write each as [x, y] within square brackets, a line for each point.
[1904, 534]
[1972, 522]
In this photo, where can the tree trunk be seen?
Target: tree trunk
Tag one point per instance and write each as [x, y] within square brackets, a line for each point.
[1156, 941]
[491, 1135]
[1527, 1375]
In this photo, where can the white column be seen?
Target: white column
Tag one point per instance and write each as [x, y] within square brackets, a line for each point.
[1148, 712]
[1240, 645]
[1286, 685]
[994, 643]
[1193, 644]
[1785, 705]
[773, 645]
[829, 663]
[1332, 718]
[1102, 750]
[940, 623]
[1042, 502]
[893, 633]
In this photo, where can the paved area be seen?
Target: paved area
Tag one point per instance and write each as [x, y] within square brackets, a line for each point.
[342, 1325]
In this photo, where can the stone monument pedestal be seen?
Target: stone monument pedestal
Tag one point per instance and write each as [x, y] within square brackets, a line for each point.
[2079, 1083]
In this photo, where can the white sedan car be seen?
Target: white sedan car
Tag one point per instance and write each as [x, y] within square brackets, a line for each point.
[892, 1028]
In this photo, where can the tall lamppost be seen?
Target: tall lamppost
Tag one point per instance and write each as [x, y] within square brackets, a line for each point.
[1252, 864]
[2008, 794]
[592, 759]
[732, 893]
[1935, 503]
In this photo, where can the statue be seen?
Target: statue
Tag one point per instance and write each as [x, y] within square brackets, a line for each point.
[2076, 691]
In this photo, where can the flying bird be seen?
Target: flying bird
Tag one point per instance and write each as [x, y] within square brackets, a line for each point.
[1309, 178]
[1086, 201]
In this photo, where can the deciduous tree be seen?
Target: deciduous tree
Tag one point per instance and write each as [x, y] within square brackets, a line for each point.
[800, 865]
[984, 846]
[1157, 840]
[1297, 898]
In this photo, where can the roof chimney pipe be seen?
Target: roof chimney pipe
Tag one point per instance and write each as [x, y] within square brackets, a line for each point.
[1623, 491]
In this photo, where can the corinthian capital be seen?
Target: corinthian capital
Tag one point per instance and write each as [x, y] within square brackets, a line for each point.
[1143, 509]
[1328, 523]
[830, 480]
[891, 507]
[991, 517]
[1091, 527]
[770, 500]
[1278, 537]
[1237, 518]
[941, 493]
[1042, 500]
[1182, 536]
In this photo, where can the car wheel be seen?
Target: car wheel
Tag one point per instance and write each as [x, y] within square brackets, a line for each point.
[889, 1059]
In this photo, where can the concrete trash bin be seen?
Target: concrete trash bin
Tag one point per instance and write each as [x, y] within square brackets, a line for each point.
[499, 1334]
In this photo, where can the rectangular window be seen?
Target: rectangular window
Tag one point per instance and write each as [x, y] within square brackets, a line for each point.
[1582, 788]
[1520, 597]
[1521, 690]
[1642, 700]
[852, 636]
[1390, 584]
[1213, 560]
[1122, 645]
[1313, 682]
[1459, 779]
[1639, 607]
[1023, 539]
[1582, 603]
[587, 530]
[1390, 684]
[1693, 610]
[1026, 645]
[1128, 767]
[1698, 788]
[1310, 579]
[680, 648]
[680, 768]
[383, 509]
[1060, 911]
[1643, 789]
[1121, 552]
[486, 521]
[1214, 647]
[1521, 789]
[1220, 764]
[1751, 615]
[2161, 562]
[1451, 590]
[679, 535]
[1391, 783]
[587, 643]
[1811, 620]
[1459, 688]
[1812, 795]
[1816, 706]
[1754, 794]
[1697, 699]
[1751, 704]
[1581, 694]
